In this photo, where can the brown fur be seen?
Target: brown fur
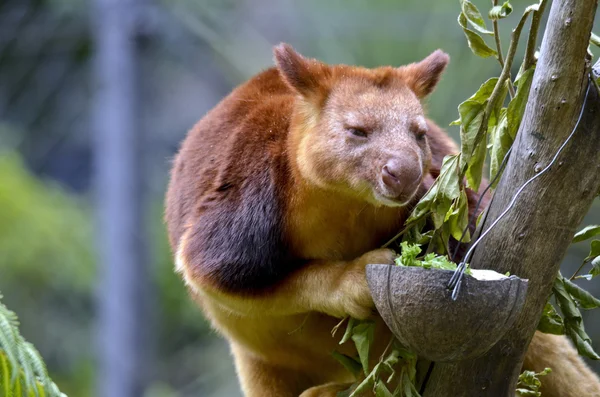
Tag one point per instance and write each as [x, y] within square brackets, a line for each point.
[276, 204]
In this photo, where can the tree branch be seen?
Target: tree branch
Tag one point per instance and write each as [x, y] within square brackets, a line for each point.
[504, 77]
[533, 33]
[499, 48]
[552, 206]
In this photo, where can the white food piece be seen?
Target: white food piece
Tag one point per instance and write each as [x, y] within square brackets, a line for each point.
[487, 275]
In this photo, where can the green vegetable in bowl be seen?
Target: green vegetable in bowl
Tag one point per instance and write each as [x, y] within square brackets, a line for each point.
[409, 257]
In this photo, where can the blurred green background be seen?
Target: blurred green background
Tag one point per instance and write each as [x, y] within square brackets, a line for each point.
[194, 52]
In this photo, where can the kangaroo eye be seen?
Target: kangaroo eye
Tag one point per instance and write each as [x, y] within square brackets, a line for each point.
[419, 129]
[357, 132]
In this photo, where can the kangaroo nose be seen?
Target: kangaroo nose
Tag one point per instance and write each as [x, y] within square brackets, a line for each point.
[400, 177]
[391, 173]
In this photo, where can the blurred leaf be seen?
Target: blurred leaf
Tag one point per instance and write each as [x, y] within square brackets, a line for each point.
[501, 142]
[381, 390]
[516, 107]
[572, 319]
[472, 14]
[586, 233]
[368, 383]
[583, 298]
[595, 267]
[499, 12]
[474, 172]
[475, 42]
[349, 328]
[594, 250]
[348, 362]
[551, 322]
[45, 236]
[362, 335]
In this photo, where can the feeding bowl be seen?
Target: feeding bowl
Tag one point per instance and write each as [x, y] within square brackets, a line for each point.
[417, 306]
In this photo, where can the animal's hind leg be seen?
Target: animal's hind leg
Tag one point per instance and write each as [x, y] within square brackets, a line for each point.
[328, 390]
[570, 376]
[261, 379]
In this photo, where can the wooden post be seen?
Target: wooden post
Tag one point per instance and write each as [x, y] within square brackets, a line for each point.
[123, 292]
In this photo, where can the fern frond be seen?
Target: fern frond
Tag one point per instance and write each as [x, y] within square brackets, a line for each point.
[38, 365]
[27, 369]
[22, 369]
[4, 379]
[8, 342]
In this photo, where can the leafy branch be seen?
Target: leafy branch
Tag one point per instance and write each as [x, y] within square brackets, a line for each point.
[483, 116]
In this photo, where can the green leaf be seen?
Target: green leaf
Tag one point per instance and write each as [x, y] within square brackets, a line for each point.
[348, 362]
[529, 384]
[565, 302]
[348, 333]
[438, 199]
[429, 261]
[471, 112]
[458, 217]
[471, 117]
[551, 322]
[584, 347]
[475, 169]
[472, 14]
[363, 335]
[516, 107]
[595, 267]
[572, 319]
[5, 378]
[586, 233]
[408, 254]
[475, 42]
[499, 12]
[584, 298]
[501, 142]
[381, 390]
[528, 393]
[367, 384]
[594, 250]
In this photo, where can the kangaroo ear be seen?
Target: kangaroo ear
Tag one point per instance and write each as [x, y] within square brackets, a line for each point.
[422, 77]
[308, 77]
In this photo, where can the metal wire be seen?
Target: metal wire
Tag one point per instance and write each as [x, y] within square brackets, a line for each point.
[456, 279]
[481, 197]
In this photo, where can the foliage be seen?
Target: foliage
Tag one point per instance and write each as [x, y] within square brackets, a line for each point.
[529, 383]
[486, 126]
[22, 370]
[396, 366]
[410, 252]
[48, 277]
[482, 118]
[570, 297]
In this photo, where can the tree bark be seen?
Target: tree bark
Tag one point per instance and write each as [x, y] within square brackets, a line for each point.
[532, 239]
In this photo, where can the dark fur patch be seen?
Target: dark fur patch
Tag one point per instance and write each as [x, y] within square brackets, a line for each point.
[237, 242]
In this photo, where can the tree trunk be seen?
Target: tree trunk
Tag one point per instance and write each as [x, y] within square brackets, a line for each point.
[532, 239]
